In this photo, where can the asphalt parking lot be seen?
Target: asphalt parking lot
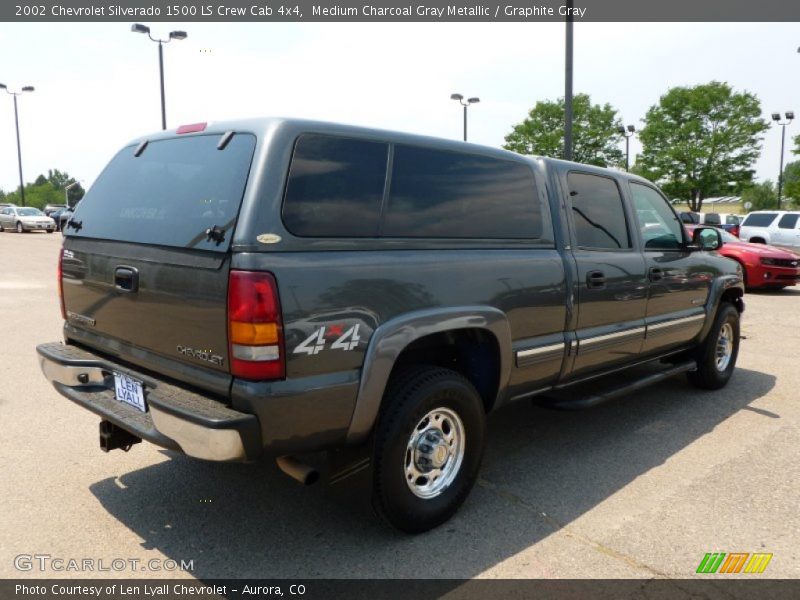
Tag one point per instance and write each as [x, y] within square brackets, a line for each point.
[642, 487]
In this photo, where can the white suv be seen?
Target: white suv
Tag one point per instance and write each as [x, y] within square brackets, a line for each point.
[781, 227]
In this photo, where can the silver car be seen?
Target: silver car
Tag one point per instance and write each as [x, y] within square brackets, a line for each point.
[25, 218]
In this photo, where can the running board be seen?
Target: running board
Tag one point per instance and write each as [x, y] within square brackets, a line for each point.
[566, 401]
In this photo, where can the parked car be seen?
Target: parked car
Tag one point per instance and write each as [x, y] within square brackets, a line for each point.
[4, 204]
[727, 221]
[689, 217]
[49, 209]
[63, 215]
[764, 266]
[424, 283]
[781, 227]
[25, 218]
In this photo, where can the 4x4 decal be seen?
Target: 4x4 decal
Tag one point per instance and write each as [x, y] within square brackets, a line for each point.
[315, 343]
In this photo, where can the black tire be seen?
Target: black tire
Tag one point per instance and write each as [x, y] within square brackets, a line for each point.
[19, 228]
[709, 375]
[410, 396]
[50, 231]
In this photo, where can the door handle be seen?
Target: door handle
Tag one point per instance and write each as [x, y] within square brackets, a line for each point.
[595, 279]
[126, 279]
[656, 274]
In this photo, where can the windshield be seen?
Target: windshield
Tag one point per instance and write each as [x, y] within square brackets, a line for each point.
[29, 212]
[172, 194]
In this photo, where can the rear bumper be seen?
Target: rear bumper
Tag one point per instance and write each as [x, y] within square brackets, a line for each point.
[177, 418]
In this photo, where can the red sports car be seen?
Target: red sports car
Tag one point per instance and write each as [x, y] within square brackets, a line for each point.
[764, 266]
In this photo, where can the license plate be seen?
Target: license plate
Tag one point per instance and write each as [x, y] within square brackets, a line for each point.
[130, 391]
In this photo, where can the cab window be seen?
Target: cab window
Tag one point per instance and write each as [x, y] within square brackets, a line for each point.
[659, 226]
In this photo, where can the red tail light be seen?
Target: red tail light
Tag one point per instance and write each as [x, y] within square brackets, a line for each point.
[255, 328]
[61, 283]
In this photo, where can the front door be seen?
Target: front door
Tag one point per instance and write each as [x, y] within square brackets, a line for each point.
[612, 284]
[679, 285]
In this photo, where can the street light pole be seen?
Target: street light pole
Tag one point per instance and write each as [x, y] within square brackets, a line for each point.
[465, 104]
[67, 188]
[777, 118]
[568, 85]
[628, 133]
[27, 88]
[173, 35]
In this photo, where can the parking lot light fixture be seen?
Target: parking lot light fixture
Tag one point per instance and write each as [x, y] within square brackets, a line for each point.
[173, 35]
[27, 88]
[777, 118]
[628, 133]
[465, 104]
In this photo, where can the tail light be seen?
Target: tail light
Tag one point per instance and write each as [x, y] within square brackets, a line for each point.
[60, 274]
[255, 330]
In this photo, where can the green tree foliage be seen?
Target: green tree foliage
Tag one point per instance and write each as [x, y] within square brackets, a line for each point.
[791, 183]
[697, 140]
[60, 180]
[796, 145]
[47, 190]
[595, 135]
[762, 196]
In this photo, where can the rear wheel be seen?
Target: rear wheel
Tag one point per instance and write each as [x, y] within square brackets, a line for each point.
[716, 358]
[428, 447]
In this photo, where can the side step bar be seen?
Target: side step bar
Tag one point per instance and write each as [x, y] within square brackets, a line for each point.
[563, 402]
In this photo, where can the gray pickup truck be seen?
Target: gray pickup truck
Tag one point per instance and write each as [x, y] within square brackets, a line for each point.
[279, 287]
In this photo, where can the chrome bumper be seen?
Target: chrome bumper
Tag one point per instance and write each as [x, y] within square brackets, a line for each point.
[177, 418]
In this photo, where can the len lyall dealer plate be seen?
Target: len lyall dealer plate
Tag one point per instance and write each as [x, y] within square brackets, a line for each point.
[130, 391]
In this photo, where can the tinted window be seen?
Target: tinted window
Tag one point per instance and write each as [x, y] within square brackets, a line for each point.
[732, 220]
[659, 226]
[788, 221]
[759, 219]
[435, 193]
[597, 212]
[170, 194]
[335, 187]
[713, 219]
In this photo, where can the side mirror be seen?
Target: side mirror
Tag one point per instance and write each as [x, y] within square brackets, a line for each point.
[706, 238]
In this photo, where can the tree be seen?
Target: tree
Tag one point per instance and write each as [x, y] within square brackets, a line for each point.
[762, 196]
[698, 140]
[791, 182]
[797, 145]
[60, 181]
[595, 135]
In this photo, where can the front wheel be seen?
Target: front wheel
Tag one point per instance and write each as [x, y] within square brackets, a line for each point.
[716, 357]
[19, 228]
[428, 447]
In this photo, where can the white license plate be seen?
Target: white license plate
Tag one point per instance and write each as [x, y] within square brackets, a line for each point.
[130, 391]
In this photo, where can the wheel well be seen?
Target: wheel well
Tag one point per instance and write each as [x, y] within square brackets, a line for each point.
[734, 296]
[757, 240]
[474, 353]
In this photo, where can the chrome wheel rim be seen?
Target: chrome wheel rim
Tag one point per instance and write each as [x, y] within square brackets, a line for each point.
[434, 453]
[724, 349]
[19, 228]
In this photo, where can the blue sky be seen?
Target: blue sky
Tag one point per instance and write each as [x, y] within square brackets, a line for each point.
[97, 84]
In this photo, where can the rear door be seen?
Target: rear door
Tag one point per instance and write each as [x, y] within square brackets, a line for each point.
[678, 282]
[146, 261]
[612, 284]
